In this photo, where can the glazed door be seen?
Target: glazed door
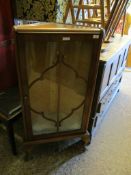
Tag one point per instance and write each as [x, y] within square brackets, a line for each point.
[57, 78]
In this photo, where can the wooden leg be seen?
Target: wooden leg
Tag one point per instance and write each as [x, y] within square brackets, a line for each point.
[10, 131]
[85, 138]
[28, 150]
[66, 13]
[78, 10]
[123, 25]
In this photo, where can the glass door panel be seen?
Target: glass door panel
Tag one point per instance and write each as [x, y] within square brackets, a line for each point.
[57, 80]
[75, 63]
[42, 81]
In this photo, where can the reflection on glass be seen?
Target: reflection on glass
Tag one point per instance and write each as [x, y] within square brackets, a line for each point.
[57, 79]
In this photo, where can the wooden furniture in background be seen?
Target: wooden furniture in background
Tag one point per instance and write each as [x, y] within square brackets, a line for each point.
[109, 5]
[95, 15]
[106, 14]
[56, 66]
[92, 17]
[111, 67]
[10, 110]
[116, 14]
[9, 97]
[69, 8]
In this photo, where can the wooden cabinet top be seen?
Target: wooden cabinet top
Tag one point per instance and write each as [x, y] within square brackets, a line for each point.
[109, 50]
[54, 27]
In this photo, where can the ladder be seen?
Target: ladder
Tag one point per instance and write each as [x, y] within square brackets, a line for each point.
[95, 13]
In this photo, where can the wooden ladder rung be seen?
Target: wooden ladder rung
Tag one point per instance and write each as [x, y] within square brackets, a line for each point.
[87, 6]
[90, 21]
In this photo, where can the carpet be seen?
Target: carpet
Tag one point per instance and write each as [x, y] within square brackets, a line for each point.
[108, 154]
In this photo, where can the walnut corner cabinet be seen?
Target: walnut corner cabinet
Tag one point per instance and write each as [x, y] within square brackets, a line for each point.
[57, 69]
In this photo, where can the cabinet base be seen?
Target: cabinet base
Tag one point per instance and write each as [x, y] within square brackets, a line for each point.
[80, 144]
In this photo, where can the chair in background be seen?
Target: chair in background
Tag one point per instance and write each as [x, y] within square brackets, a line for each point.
[93, 13]
[69, 8]
[10, 110]
[98, 13]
